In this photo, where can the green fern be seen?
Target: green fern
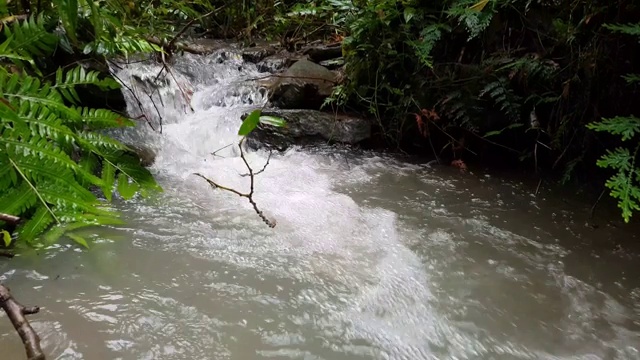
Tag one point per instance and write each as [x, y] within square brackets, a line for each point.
[66, 82]
[475, 21]
[625, 183]
[504, 98]
[41, 137]
[30, 38]
[429, 36]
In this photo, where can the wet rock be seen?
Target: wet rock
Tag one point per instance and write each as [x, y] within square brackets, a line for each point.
[332, 64]
[257, 53]
[305, 85]
[208, 46]
[277, 62]
[146, 154]
[322, 52]
[309, 127]
[93, 96]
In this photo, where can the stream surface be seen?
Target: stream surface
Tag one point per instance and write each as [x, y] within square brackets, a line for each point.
[371, 258]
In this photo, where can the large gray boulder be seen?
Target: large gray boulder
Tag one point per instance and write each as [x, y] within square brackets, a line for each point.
[305, 85]
[309, 127]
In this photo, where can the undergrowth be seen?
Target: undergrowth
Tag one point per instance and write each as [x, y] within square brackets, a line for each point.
[58, 170]
[518, 78]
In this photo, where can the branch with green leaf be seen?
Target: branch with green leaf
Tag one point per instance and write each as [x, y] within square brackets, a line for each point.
[248, 125]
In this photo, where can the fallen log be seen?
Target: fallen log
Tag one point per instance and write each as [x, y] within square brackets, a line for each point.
[16, 313]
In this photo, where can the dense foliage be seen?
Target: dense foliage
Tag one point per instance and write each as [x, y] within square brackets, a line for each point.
[54, 151]
[515, 81]
[549, 84]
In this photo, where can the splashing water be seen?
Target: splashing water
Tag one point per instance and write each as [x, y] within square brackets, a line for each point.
[371, 258]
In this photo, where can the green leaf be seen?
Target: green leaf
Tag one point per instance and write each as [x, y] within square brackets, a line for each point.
[6, 236]
[273, 121]
[626, 126]
[68, 11]
[108, 179]
[34, 226]
[79, 240]
[250, 123]
[126, 189]
[409, 13]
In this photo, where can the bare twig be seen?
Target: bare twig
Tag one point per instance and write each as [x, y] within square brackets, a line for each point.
[263, 168]
[138, 102]
[11, 219]
[215, 153]
[184, 93]
[493, 142]
[455, 141]
[593, 208]
[16, 313]
[248, 195]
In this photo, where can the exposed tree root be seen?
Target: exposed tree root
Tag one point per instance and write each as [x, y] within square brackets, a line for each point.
[16, 313]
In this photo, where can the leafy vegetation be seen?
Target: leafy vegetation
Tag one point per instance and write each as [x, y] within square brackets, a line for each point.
[468, 79]
[55, 157]
[625, 183]
[515, 82]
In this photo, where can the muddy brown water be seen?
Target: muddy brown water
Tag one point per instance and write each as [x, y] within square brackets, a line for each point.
[372, 258]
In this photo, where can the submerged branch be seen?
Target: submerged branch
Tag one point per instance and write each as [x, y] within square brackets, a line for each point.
[248, 195]
[16, 313]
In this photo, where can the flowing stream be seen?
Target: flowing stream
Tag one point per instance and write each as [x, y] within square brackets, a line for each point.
[371, 258]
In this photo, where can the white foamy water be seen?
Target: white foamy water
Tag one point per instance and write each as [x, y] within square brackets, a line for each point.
[371, 258]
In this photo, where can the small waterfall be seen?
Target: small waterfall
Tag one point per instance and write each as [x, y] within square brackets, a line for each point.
[371, 258]
[331, 240]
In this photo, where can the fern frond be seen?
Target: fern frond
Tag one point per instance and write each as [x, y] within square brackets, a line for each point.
[8, 176]
[7, 53]
[625, 184]
[629, 29]
[40, 149]
[69, 201]
[625, 126]
[96, 119]
[429, 36]
[503, 97]
[95, 142]
[17, 89]
[66, 82]
[17, 200]
[30, 37]
[40, 121]
[68, 12]
[40, 220]
[130, 166]
[127, 189]
[45, 172]
[108, 179]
